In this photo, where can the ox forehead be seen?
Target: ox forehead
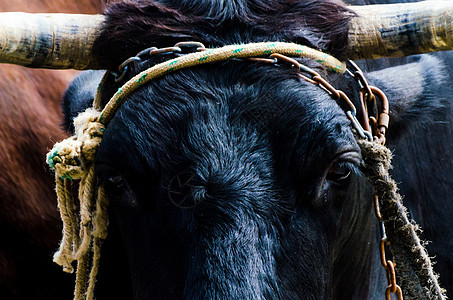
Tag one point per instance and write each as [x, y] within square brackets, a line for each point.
[211, 121]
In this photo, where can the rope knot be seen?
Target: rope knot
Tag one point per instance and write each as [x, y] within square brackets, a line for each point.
[374, 153]
[71, 157]
[89, 131]
[64, 158]
[414, 268]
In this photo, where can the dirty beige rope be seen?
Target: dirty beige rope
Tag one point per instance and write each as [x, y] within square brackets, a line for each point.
[73, 158]
[413, 265]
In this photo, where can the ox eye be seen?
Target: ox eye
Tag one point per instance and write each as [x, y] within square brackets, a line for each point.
[110, 177]
[116, 182]
[338, 173]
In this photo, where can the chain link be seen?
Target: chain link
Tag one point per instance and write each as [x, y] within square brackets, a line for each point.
[388, 265]
[190, 47]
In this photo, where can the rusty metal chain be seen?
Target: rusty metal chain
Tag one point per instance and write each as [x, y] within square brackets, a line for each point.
[180, 48]
[316, 79]
[377, 124]
[368, 93]
[388, 265]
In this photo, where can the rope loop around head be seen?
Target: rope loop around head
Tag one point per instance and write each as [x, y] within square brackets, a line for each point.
[215, 55]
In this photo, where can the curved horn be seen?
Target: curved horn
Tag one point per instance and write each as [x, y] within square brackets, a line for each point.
[52, 41]
[63, 41]
[396, 30]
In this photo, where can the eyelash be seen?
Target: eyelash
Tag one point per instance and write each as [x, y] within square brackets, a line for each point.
[339, 173]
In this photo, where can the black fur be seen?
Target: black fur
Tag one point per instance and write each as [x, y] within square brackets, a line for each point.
[79, 94]
[260, 212]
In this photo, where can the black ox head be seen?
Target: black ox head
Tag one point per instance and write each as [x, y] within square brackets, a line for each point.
[231, 180]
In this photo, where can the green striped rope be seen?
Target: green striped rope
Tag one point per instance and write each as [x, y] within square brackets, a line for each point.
[215, 55]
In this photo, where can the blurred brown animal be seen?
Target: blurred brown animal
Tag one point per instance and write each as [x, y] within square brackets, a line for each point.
[30, 118]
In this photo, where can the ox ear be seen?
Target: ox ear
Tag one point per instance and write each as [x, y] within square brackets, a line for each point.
[417, 92]
[79, 96]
